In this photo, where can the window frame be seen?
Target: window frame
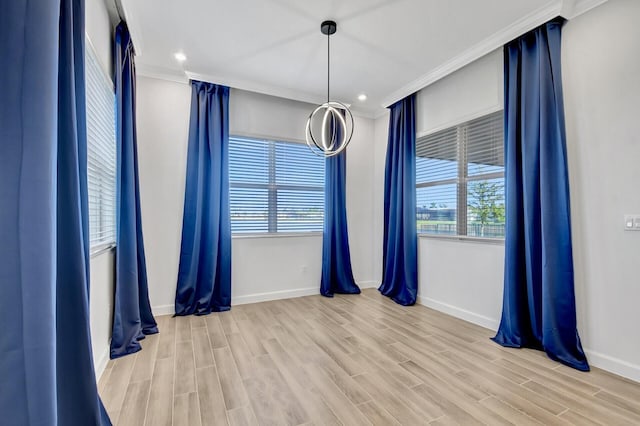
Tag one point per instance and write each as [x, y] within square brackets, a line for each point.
[272, 188]
[462, 179]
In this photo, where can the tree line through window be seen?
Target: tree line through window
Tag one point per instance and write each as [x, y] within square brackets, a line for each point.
[460, 179]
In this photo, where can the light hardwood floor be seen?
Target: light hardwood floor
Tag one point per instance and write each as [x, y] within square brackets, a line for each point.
[351, 360]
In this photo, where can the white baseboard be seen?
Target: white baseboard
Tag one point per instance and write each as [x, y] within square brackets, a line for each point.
[264, 297]
[163, 310]
[472, 317]
[596, 359]
[101, 362]
[368, 284]
[613, 365]
[274, 295]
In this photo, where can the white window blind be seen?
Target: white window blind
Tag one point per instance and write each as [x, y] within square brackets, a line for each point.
[101, 152]
[274, 187]
[460, 179]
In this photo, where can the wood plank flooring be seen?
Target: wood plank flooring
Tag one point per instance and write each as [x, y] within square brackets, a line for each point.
[350, 360]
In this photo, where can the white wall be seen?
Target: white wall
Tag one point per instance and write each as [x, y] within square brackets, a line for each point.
[472, 292]
[263, 267]
[458, 97]
[601, 79]
[163, 123]
[102, 282]
[602, 90]
[381, 134]
[99, 26]
[99, 29]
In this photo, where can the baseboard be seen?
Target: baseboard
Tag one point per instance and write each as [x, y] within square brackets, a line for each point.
[596, 359]
[613, 365]
[163, 310]
[274, 295]
[469, 316]
[264, 297]
[102, 361]
[368, 284]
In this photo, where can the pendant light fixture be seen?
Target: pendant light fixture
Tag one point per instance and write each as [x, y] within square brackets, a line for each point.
[330, 125]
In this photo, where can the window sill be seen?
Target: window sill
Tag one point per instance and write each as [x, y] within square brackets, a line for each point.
[277, 235]
[463, 238]
[102, 248]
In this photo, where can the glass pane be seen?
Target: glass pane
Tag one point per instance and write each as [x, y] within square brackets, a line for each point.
[485, 145]
[436, 209]
[300, 210]
[101, 152]
[485, 208]
[297, 165]
[249, 209]
[433, 169]
[248, 161]
[437, 156]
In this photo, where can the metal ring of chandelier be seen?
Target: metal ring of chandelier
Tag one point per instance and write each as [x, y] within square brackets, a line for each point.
[336, 129]
[335, 124]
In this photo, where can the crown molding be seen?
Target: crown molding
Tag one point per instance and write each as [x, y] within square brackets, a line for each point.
[573, 8]
[566, 8]
[253, 86]
[273, 90]
[380, 113]
[183, 77]
[488, 45]
[133, 25]
[161, 73]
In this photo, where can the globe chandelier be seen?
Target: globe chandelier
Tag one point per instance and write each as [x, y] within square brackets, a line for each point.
[330, 125]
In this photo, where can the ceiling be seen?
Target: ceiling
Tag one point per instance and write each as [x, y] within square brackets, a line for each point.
[384, 48]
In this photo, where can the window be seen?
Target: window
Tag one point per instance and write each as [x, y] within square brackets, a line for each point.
[460, 179]
[101, 152]
[274, 187]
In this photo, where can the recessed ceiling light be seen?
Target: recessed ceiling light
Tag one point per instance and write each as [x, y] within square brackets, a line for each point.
[180, 57]
[362, 97]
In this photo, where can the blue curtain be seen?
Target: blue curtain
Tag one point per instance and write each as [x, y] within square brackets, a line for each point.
[204, 276]
[46, 362]
[132, 318]
[400, 250]
[337, 276]
[539, 304]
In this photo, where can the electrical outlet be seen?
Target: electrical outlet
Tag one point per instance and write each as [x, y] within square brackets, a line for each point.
[632, 222]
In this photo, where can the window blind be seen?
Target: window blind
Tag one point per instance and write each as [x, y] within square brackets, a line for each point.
[485, 176]
[274, 187]
[101, 152]
[437, 178]
[460, 179]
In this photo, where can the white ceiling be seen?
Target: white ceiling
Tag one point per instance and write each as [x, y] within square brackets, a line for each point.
[384, 48]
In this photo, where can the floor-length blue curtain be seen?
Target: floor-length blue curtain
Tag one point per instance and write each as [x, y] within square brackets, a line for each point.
[400, 241]
[132, 317]
[337, 275]
[204, 276]
[539, 304]
[46, 361]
